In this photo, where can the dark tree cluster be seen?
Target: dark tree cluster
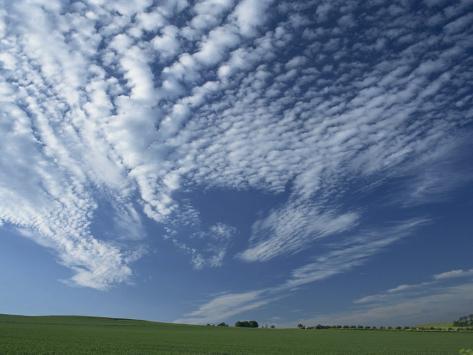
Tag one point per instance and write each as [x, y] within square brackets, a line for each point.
[223, 324]
[247, 324]
[466, 321]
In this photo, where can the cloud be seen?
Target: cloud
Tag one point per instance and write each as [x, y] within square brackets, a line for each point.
[338, 259]
[167, 44]
[443, 305]
[425, 287]
[209, 13]
[223, 307]
[251, 14]
[351, 253]
[393, 292]
[218, 239]
[132, 101]
[434, 300]
[291, 228]
[453, 274]
[207, 246]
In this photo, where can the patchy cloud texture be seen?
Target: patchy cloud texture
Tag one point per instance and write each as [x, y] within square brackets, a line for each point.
[124, 105]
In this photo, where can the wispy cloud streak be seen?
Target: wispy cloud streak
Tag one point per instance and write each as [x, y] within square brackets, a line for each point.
[444, 297]
[341, 257]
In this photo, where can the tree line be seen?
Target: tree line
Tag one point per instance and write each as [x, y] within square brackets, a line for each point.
[241, 324]
[408, 328]
[359, 327]
[465, 321]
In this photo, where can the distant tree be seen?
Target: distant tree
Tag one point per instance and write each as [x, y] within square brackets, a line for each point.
[253, 324]
[301, 326]
[464, 321]
[247, 324]
[272, 326]
[223, 324]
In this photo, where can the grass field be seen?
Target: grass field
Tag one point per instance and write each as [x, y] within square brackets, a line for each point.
[88, 335]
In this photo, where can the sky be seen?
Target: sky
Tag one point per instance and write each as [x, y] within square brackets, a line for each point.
[220, 160]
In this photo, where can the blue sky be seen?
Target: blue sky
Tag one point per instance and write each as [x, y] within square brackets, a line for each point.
[216, 160]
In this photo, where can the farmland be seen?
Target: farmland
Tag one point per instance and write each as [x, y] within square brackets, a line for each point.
[89, 335]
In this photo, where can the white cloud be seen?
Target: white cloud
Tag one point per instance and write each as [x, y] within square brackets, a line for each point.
[338, 259]
[351, 253]
[453, 274]
[223, 307]
[435, 300]
[444, 305]
[425, 287]
[209, 13]
[130, 101]
[250, 14]
[167, 43]
[207, 247]
[213, 48]
[152, 21]
[292, 228]
[138, 75]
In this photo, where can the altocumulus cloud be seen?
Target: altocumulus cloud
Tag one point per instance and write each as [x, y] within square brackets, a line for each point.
[131, 101]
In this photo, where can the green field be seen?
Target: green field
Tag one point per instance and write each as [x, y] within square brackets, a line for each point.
[88, 335]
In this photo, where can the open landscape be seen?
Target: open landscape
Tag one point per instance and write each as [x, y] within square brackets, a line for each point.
[236, 177]
[92, 335]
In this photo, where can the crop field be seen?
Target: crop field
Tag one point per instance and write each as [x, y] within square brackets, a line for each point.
[88, 335]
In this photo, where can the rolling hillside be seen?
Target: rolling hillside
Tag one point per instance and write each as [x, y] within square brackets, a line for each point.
[91, 335]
